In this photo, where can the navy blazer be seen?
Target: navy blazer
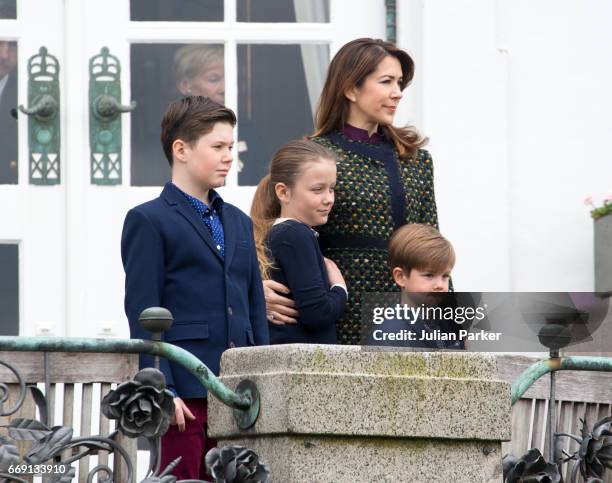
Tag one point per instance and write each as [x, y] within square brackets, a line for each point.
[170, 261]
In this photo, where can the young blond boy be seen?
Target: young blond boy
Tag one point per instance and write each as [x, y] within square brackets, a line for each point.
[421, 262]
[421, 259]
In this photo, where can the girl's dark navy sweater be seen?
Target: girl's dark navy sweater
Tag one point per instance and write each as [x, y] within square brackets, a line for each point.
[298, 264]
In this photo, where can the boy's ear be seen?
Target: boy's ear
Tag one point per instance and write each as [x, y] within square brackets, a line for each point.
[400, 277]
[282, 192]
[178, 150]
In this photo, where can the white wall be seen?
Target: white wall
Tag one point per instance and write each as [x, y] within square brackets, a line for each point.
[515, 97]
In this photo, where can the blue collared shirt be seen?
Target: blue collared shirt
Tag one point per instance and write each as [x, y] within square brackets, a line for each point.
[210, 216]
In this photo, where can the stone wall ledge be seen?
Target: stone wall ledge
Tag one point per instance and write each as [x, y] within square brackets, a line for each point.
[344, 359]
[352, 391]
[327, 459]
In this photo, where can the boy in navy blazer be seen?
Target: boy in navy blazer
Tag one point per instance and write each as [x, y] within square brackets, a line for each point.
[194, 254]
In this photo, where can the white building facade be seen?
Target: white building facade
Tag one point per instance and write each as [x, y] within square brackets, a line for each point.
[512, 94]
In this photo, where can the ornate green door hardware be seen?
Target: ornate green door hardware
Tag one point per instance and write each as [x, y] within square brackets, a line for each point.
[104, 118]
[391, 20]
[44, 121]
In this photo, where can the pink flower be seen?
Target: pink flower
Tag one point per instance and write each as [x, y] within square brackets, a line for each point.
[588, 200]
[608, 197]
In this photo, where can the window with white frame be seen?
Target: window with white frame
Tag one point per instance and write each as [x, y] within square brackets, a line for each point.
[266, 59]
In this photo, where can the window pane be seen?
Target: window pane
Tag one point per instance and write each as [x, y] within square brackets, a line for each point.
[282, 10]
[9, 290]
[177, 10]
[160, 74]
[8, 116]
[8, 9]
[275, 105]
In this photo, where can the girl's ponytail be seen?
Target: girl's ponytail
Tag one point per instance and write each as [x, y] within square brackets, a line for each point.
[264, 210]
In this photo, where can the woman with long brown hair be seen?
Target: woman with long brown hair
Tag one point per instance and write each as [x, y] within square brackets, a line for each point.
[384, 177]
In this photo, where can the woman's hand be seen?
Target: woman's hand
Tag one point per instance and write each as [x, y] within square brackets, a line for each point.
[181, 411]
[280, 310]
[333, 273]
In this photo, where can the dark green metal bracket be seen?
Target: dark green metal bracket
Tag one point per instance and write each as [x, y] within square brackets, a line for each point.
[44, 121]
[391, 20]
[538, 369]
[247, 389]
[105, 111]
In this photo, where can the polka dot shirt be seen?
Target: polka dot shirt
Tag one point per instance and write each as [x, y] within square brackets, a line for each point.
[210, 216]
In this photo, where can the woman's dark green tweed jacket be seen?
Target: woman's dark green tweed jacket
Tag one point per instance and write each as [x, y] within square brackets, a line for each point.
[376, 193]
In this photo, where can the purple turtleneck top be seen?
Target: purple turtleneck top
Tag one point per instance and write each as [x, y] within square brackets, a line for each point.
[358, 134]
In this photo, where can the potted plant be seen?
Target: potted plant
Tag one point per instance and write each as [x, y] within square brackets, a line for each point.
[602, 217]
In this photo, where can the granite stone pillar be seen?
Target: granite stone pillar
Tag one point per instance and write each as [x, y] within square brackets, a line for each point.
[336, 414]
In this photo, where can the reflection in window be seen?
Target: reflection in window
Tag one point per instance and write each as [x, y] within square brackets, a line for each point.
[8, 118]
[8, 9]
[177, 10]
[199, 70]
[9, 289]
[160, 74]
[278, 89]
[282, 10]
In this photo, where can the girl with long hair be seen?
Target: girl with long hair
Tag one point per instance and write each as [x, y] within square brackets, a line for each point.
[384, 179]
[296, 195]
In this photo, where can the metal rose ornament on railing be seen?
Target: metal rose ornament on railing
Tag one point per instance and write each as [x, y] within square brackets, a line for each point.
[142, 407]
[51, 452]
[594, 455]
[531, 467]
[236, 464]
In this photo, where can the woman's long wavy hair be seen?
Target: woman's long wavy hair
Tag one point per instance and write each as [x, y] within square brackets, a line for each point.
[349, 68]
[286, 166]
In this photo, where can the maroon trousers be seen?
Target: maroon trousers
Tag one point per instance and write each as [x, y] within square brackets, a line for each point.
[191, 444]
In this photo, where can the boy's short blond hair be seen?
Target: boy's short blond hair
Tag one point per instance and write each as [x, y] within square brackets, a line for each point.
[421, 247]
